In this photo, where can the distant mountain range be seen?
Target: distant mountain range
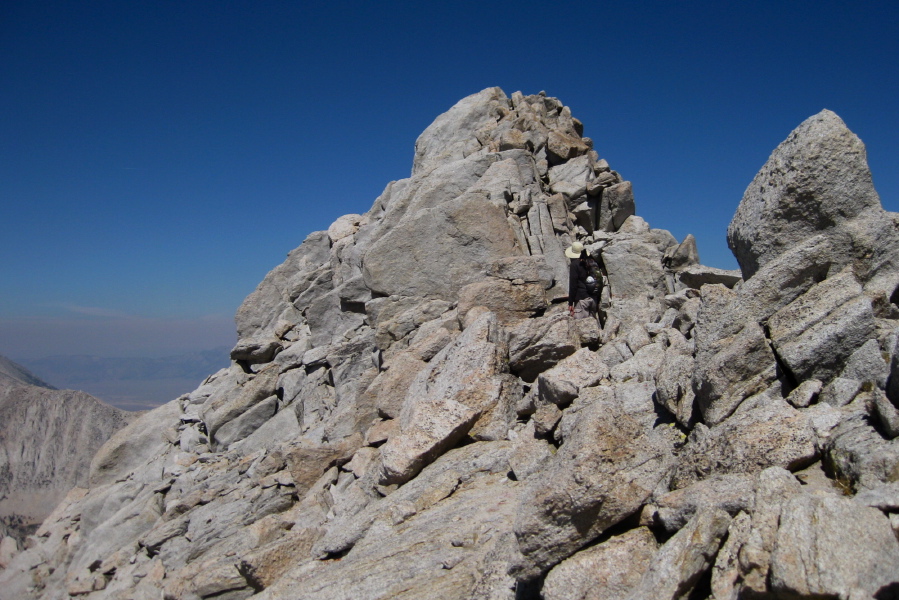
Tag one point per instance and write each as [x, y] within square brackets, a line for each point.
[128, 383]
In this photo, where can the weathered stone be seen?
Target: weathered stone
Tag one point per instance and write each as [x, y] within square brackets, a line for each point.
[730, 493]
[8, 549]
[449, 137]
[733, 362]
[445, 399]
[535, 345]
[817, 180]
[403, 545]
[607, 571]
[674, 378]
[562, 383]
[308, 461]
[504, 298]
[266, 306]
[561, 147]
[642, 366]
[805, 393]
[772, 433]
[609, 463]
[887, 415]
[840, 391]
[529, 454]
[815, 334]
[222, 408]
[135, 446]
[635, 270]
[696, 276]
[390, 386]
[683, 255]
[859, 456]
[298, 507]
[248, 422]
[616, 206]
[681, 561]
[867, 364]
[455, 239]
[726, 576]
[814, 558]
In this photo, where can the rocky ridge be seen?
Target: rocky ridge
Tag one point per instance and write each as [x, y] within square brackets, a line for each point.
[18, 373]
[47, 440]
[410, 412]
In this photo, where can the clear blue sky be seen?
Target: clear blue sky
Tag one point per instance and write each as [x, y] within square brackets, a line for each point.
[157, 159]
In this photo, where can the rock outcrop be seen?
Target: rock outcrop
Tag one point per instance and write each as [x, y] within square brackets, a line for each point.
[411, 413]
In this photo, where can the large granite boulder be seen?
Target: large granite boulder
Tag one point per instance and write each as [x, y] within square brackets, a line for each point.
[818, 181]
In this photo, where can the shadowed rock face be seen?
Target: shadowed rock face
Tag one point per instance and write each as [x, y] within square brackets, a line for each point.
[47, 439]
[411, 413]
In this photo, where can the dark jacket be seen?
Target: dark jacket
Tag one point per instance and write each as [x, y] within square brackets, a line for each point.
[577, 281]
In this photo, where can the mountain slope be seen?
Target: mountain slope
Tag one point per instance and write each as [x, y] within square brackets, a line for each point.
[19, 373]
[47, 439]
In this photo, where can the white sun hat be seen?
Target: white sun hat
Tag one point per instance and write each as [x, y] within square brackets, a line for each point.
[574, 251]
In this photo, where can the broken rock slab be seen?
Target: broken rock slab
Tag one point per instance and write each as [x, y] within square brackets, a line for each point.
[463, 382]
[608, 571]
[611, 460]
[828, 546]
[772, 433]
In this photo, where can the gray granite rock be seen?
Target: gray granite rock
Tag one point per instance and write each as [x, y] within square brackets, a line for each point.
[772, 433]
[829, 546]
[393, 430]
[608, 571]
[817, 181]
[609, 463]
[444, 401]
[682, 560]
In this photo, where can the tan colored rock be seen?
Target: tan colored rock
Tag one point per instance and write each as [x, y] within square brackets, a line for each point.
[609, 463]
[730, 493]
[265, 565]
[535, 345]
[454, 239]
[562, 383]
[308, 461]
[828, 546]
[561, 146]
[391, 385]
[509, 301]
[770, 434]
[682, 560]
[607, 571]
[460, 384]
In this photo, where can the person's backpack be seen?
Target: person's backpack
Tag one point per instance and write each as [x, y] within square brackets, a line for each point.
[594, 277]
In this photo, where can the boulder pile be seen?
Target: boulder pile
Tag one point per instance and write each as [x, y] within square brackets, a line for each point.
[411, 413]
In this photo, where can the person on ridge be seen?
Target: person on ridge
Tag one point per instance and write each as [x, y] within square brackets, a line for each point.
[581, 304]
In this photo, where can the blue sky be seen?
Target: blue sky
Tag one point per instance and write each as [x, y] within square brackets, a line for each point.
[157, 159]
